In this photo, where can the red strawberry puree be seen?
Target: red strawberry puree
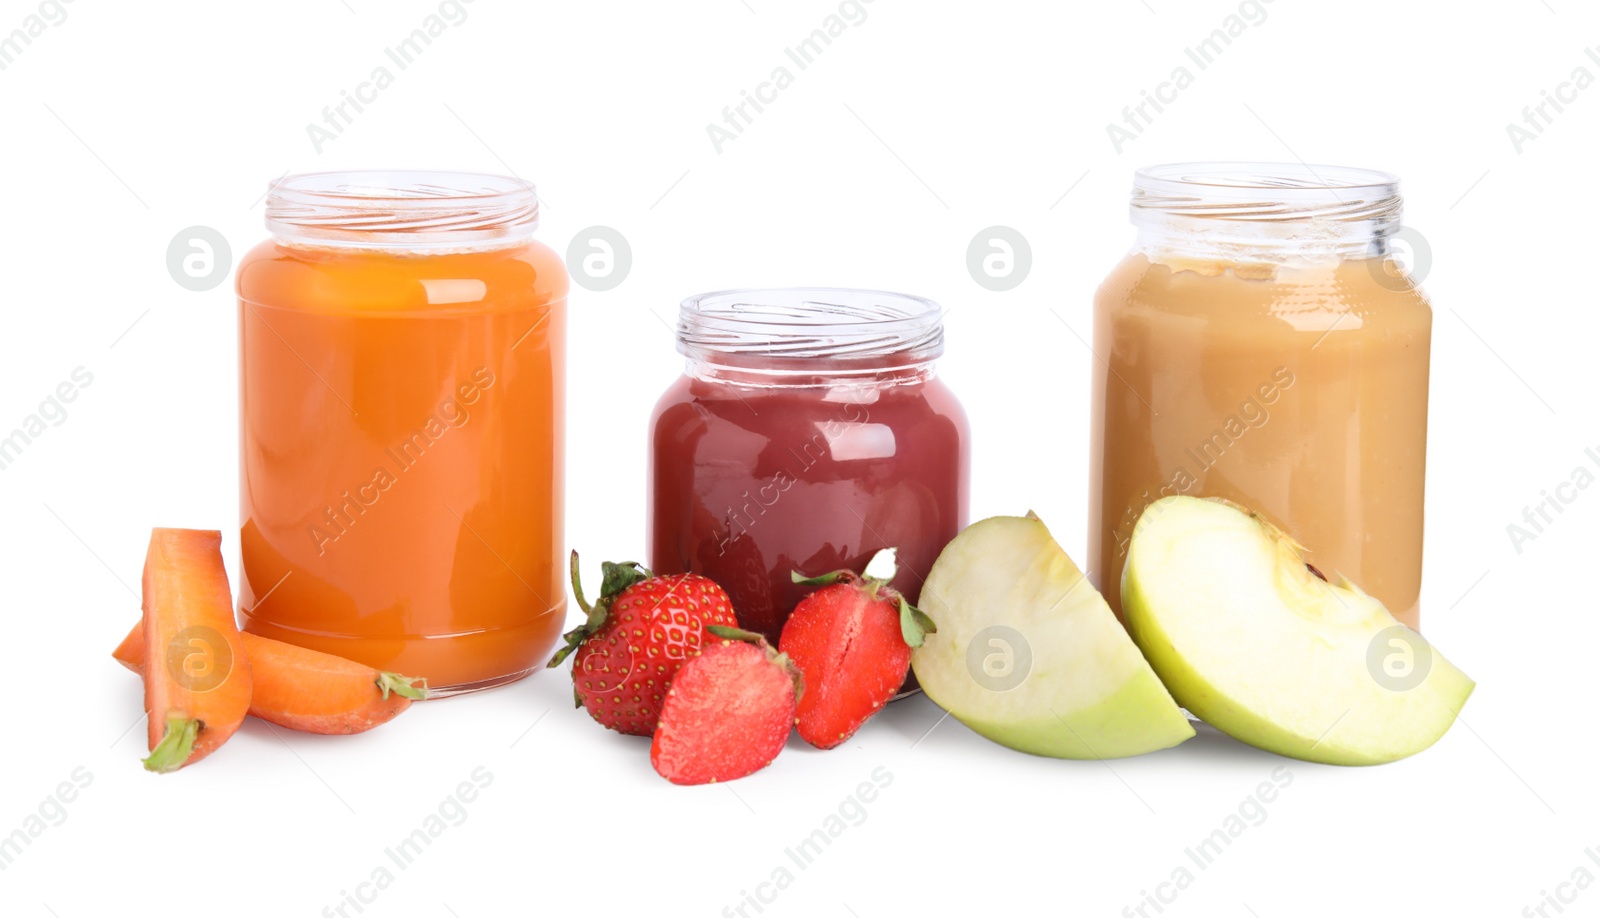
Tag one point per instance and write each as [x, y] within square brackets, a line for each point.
[808, 432]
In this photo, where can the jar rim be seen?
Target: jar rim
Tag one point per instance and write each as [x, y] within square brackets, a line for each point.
[778, 328]
[1254, 192]
[402, 209]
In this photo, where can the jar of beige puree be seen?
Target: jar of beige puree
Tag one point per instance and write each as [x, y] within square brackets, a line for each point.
[1261, 343]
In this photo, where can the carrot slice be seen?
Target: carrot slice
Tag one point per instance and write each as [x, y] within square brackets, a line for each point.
[308, 690]
[197, 693]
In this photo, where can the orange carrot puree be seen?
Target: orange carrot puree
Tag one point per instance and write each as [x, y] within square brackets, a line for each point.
[401, 456]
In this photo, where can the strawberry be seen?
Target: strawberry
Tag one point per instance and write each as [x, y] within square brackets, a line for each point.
[640, 630]
[852, 640]
[728, 712]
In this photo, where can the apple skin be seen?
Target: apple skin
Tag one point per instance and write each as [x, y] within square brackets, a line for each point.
[1299, 688]
[1087, 693]
[1136, 719]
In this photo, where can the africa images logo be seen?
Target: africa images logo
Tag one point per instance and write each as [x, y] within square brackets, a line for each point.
[339, 517]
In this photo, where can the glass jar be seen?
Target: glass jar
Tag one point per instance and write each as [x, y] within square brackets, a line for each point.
[808, 433]
[1261, 343]
[402, 365]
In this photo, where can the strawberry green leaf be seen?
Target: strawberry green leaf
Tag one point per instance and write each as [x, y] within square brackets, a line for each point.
[618, 577]
[577, 583]
[820, 579]
[574, 639]
[914, 624]
[877, 574]
[730, 633]
[615, 579]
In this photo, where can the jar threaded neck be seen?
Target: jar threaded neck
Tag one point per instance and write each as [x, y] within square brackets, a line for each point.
[1265, 206]
[798, 329]
[402, 210]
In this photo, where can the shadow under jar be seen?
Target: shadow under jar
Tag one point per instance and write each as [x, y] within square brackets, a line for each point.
[1261, 343]
[402, 363]
[808, 432]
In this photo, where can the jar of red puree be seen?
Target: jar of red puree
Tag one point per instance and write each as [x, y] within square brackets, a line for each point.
[808, 432]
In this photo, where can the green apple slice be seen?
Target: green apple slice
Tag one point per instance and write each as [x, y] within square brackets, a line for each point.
[1029, 655]
[1257, 644]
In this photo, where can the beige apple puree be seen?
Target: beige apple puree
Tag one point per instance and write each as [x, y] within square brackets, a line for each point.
[1261, 343]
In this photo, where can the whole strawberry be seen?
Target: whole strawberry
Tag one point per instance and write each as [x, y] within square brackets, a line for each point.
[728, 713]
[852, 640]
[640, 630]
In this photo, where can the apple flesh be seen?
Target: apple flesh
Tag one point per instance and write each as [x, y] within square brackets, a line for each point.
[1257, 644]
[1029, 654]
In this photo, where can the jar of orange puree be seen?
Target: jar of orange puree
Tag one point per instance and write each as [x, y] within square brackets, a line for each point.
[1261, 343]
[401, 354]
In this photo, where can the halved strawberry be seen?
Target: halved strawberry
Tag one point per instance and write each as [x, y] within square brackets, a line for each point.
[728, 712]
[640, 630]
[852, 640]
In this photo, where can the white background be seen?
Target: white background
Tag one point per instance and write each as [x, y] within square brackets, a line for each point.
[919, 126]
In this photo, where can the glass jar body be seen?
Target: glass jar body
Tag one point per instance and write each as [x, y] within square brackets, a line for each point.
[754, 478]
[1295, 384]
[401, 455]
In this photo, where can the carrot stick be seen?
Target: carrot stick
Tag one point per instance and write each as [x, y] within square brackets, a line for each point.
[308, 690]
[197, 694]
